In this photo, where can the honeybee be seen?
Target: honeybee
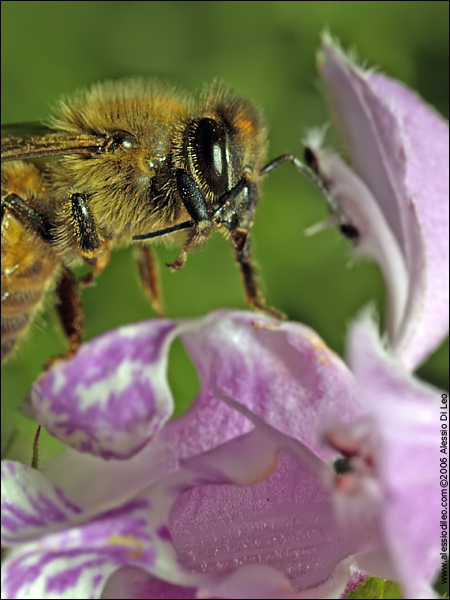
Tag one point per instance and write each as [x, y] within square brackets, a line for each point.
[124, 162]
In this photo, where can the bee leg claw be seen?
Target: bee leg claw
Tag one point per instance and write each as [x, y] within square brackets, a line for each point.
[51, 362]
[87, 281]
[260, 305]
[179, 263]
[270, 311]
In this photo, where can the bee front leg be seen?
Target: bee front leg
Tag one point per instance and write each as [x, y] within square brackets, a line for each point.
[199, 235]
[90, 244]
[70, 313]
[198, 210]
[149, 277]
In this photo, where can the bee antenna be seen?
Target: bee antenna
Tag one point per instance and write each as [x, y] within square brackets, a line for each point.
[166, 231]
[308, 171]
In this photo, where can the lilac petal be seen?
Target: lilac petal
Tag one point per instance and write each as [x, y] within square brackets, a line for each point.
[113, 396]
[285, 522]
[31, 505]
[282, 372]
[399, 148]
[404, 416]
[75, 562]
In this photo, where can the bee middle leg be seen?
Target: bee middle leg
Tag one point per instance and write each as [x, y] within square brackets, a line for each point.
[95, 252]
[149, 277]
[252, 289]
[70, 314]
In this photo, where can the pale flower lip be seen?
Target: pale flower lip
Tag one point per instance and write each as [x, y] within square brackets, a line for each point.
[397, 195]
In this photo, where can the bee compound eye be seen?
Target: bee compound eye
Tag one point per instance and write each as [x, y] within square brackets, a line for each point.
[210, 157]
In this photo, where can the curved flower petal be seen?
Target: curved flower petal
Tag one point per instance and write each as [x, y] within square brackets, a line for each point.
[74, 558]
[282, 372]
[113, 396]
[257, 500]
[425, 137]
[33, 575]
[399, 148]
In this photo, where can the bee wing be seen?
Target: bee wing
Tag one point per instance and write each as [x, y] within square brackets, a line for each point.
[35, 140]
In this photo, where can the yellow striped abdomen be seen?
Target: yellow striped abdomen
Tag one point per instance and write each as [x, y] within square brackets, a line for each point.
[29, 267]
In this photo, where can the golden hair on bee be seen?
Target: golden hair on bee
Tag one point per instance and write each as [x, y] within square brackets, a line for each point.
[125, 162]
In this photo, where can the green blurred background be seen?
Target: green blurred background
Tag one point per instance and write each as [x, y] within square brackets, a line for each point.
[266, 51]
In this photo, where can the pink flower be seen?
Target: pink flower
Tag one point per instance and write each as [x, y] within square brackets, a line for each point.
[226, 499]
